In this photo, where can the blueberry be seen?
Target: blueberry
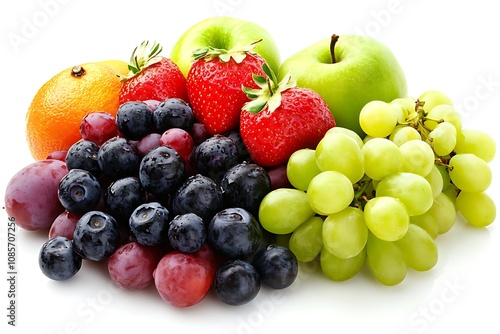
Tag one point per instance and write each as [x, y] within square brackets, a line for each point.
[245, 185]
[235, 233]
[58, 260]
[162, 171]
[187, 233]
[118, 158]
[79, 191]
[243, 153]
[215, 156]
[149, 224]
[123, 196]
[96, 236]
[83, 155]
[199, 195]
[173, 113]
[134, 119]
[277, 266]
[236, 282]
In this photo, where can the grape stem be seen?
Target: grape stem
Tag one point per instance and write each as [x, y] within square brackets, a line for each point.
[361, 194]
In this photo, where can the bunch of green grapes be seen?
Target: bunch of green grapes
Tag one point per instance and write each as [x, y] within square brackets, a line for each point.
[382, 200]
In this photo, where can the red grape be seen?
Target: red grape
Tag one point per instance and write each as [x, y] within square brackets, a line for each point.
[131, 266]
[179, 140]
[31, 194]
[183, 280]
[98, 127]
[64, 225]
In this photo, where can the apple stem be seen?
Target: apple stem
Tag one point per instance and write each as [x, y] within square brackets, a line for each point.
[333, 41]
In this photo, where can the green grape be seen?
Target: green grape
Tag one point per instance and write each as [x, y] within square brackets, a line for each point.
[444, 212]
[411, 189]
[306, 241]
[345, 232]
[337, 151]
[476, 142]
[386, 217]
[435, 179]
[407, 105]
[432, 98]
[282, 210]
[385, 260]
[381, 158]
[404, 133]
[349, 132]
[338, 269]
[470, 173]
[443, 138]
[443, 112]
[452, 192]
[378, 118]
[446, 177]
[477, 208]
[418, 157]
[419, 249]
[330, 192]
[301, 168]
[427, 222]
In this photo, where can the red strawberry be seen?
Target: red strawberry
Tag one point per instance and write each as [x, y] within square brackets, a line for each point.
[214, 85]
[282, 119]
[152, 77]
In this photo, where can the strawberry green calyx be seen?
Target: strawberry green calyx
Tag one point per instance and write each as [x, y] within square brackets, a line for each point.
[238, 54]
[143, 56]
[269, 93]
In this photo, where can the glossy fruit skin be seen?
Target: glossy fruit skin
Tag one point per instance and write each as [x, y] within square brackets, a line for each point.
[187, 233]
[79, 191]
[64, 225]
[245, 185]
[134, 119]
[236, 282]
[180, 140]
[215, 156]
[214, 90]
[226, 33]
[183, 280]
[31, 194]
[83, 155]
[159, 81]
[173, 113]
[58, 260]
[162, 171]
[271, 138]
[54, 115]
[123, 196]
[149, 224]
[98, 127]
[277, 266]
[235, 233]
[118, 158]
[96, 236]
[364, 70]
[131, 266]
[199, 195]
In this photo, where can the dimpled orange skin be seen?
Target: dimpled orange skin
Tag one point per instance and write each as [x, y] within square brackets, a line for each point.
[54, 115]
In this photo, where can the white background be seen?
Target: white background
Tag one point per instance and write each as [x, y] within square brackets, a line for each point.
[445, 45]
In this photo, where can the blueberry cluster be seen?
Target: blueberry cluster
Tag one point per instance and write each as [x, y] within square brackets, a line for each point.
[135, 188]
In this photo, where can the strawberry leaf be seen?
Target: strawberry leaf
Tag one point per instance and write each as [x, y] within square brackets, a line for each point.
[269, 93]
[142, 57]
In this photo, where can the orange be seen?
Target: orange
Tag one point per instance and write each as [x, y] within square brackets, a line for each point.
[54, 115]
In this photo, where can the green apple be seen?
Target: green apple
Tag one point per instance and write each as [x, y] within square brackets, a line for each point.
[348, 72]
[227, 33]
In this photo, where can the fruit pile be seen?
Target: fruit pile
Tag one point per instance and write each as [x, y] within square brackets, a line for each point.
[217, 170]
[385, 198]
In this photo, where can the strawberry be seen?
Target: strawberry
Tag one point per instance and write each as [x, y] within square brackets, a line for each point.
[281, 119]
[214, 85]
[152, 77]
